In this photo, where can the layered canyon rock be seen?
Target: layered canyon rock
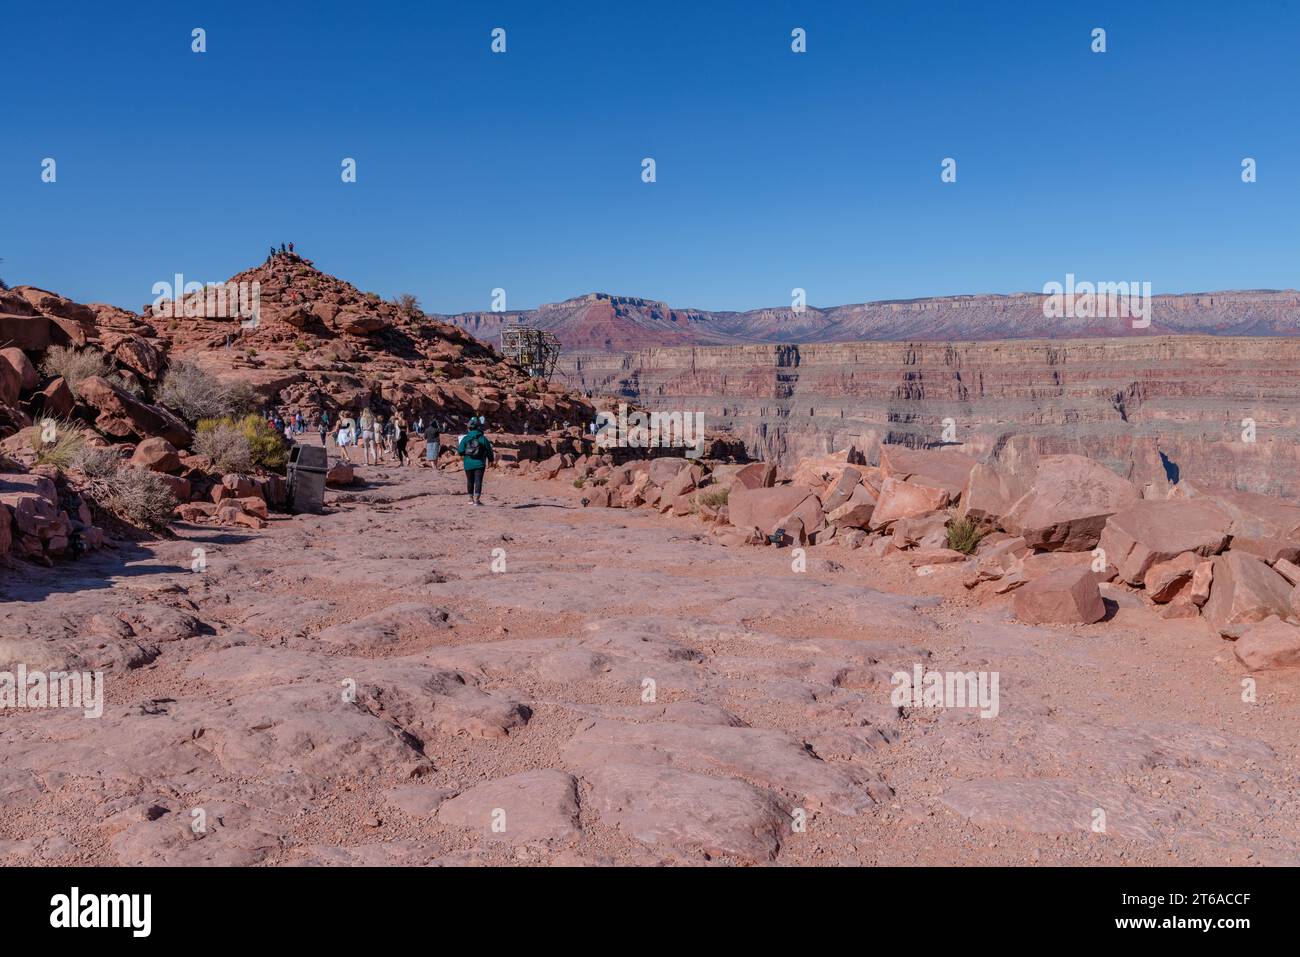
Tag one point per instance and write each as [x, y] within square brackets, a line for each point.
[1151, 409]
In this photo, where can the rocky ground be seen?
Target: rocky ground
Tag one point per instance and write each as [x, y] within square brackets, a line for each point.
[412, 680]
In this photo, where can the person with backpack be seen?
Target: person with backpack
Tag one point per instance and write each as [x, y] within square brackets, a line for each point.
[476, 452]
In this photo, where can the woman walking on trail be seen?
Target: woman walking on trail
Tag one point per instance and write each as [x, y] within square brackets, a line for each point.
[368, 443]
[399, 439]
[476, 452]
[347, 435]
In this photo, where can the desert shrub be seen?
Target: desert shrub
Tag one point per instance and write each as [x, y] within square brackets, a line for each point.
[97, 461]
[268, 446]
[964, 534]
[195, 394]
[77, 365]
[135, 496]
[715, 497]
[224, 443]
[138, 497]
[579, 483]
[57, 443]
[237, 445]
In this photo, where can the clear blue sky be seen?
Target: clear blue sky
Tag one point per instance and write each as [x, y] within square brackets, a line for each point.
[775, 170]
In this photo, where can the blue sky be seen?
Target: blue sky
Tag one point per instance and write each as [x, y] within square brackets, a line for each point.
[775, 170]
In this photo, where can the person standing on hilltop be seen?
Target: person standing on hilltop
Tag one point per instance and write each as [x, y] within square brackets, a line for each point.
[476, 452]
[432, 441]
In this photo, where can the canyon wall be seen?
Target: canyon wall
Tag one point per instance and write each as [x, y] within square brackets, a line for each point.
[1153, 409]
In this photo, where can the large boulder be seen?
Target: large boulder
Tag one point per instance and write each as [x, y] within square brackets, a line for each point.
[1069, 596]
[1260, 524]
[29, 333]
[1271, 643]
[28, 378]
[11, 382]
[1257, 516]
[817, 472]
[990, 491]
[764, 508]
[940, 468]
[1245, 590]
[57, 399]
[1155, 531]
[755, 475]
[139, 355]
[157, 455]
[1164, 580]
[1068, 503]
[123, 415]
[841, 487]
[664, 469]
[856, 512]
[902, 499]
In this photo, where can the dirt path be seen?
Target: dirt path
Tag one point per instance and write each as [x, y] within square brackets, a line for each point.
[412, 680]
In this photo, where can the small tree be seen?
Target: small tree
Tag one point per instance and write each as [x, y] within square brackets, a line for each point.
[409, 304]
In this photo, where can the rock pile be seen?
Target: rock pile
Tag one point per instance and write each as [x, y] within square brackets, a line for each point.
[1063, 533]
[319, 343]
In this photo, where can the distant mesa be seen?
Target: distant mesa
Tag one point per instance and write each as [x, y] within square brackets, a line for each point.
[600, 322]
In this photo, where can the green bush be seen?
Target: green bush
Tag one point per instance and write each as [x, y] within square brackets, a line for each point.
[224, 444]
[964, 534]
[237, 445]
[714, 498]
[269, 448]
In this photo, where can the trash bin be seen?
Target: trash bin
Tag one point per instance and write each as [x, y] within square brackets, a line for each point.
[306, 474]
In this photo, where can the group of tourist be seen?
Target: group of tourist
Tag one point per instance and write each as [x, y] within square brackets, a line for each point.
[379, 438]
[375, 436]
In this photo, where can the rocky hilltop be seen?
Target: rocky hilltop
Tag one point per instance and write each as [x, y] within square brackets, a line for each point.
[601, 322]
[96, 437]
[1148, 408]
[319, 342]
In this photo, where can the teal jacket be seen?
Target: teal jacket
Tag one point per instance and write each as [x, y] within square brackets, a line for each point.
[487, 453]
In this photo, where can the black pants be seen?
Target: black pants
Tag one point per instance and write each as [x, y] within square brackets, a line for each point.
[474, 482]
